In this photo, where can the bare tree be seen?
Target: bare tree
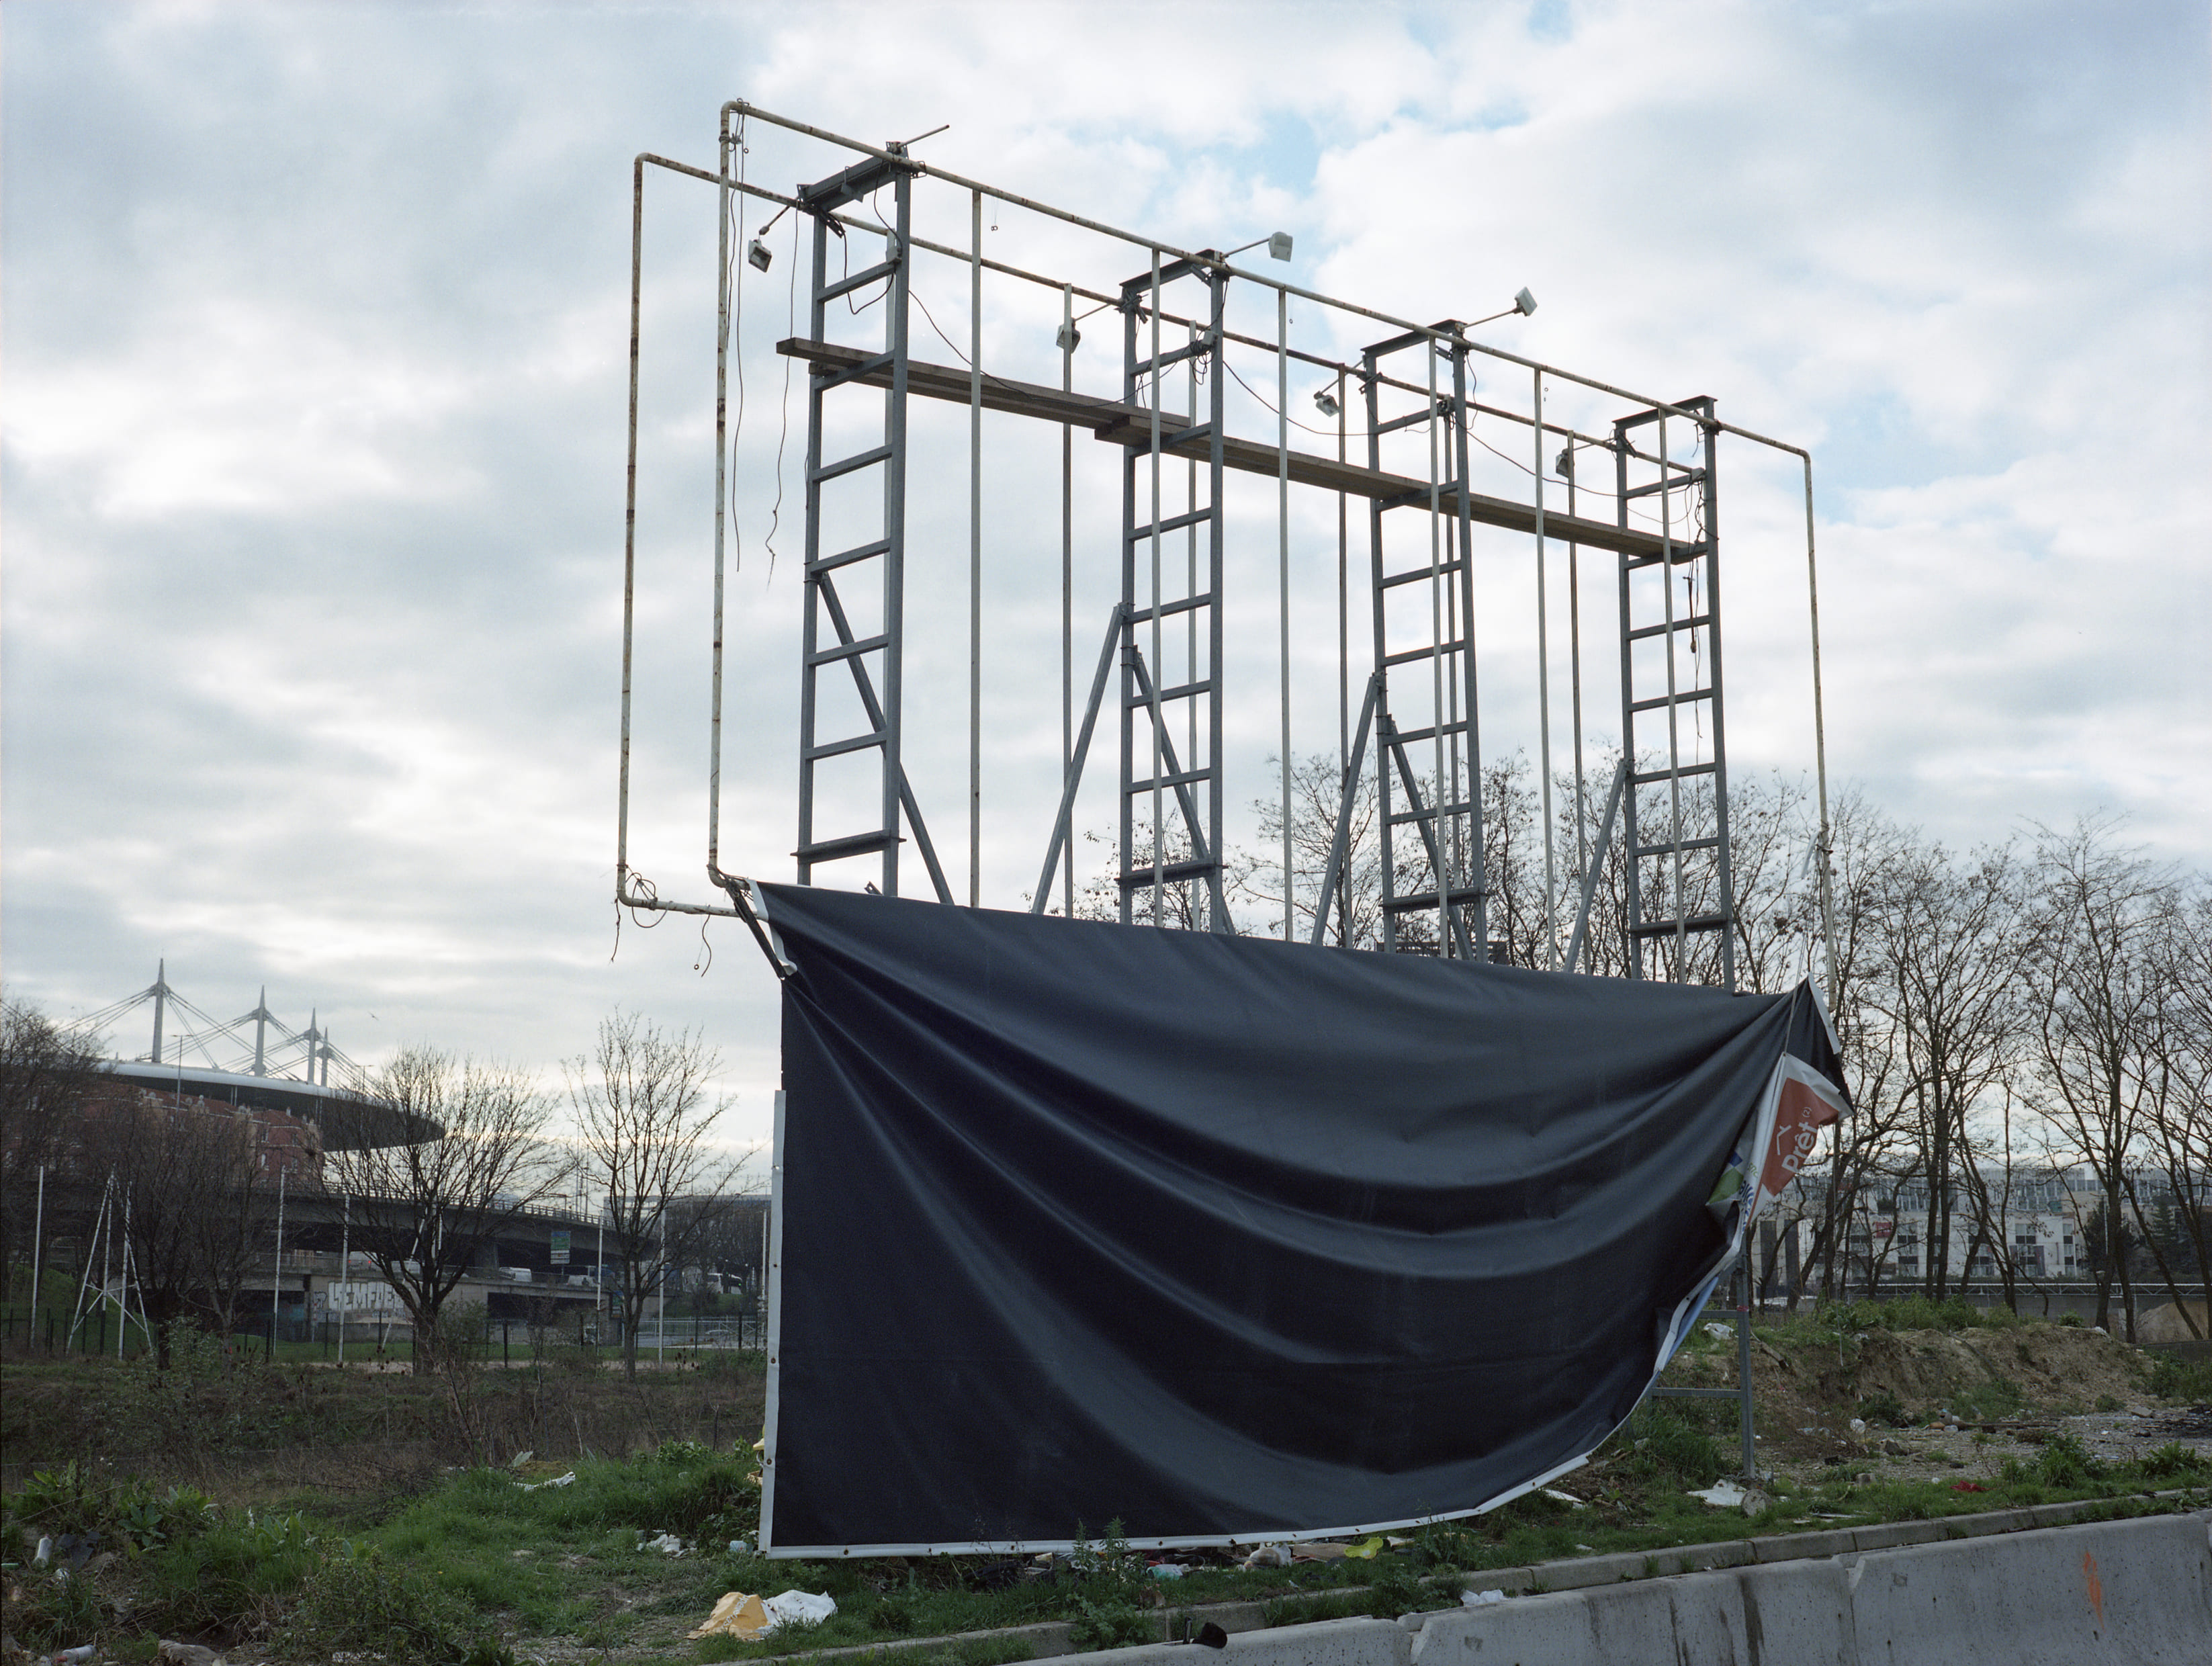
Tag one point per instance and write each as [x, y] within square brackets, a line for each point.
[2099, 998]
[441, 1158]
[2178, 1130]
[1945, 981]
[183, 1195]
[642, 1121]
[1355, 903]
[46, 1077]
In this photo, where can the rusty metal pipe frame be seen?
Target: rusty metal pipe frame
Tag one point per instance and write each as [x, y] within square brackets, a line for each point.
[741, 108]
[1319, 361]
[1203, 257]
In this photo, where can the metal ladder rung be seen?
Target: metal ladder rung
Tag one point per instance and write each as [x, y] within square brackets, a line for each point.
[853, 373]
[1694, 622]
[856, 844]
[1646, 778]
[847, 557]
[1441, 413]
[1409, 655]
[860, 280]
[1661, 702]
[1144, 614]
[1170, 872]
[1399, 817]
[1685, 844]
[1686, 478]
[1420, 573]
[1684, 554]
[848, 465]
[1696, 922]
[1182, 778]
[1172, 524]
[1427, 899]
[1143, 366]
[1181, 691]
[859, 743]
[846, 650]
[1432, 732]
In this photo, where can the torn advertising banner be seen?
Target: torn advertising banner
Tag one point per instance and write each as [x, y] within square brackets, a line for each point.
[1230, 1239]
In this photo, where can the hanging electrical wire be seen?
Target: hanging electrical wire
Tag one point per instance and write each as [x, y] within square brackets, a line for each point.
[790, 328]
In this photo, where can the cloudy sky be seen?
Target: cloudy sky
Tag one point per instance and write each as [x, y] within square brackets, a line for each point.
[315, 339]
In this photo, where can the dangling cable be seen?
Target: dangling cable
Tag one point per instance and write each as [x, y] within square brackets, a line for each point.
[790, 328]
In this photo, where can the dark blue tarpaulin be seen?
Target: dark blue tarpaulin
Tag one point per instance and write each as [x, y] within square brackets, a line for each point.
[1222, 1237]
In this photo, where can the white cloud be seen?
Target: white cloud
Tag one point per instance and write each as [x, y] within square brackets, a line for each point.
[315, 329]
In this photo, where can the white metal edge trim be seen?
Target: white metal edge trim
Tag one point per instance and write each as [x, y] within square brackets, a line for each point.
[775, 1329]
[1820, 1006]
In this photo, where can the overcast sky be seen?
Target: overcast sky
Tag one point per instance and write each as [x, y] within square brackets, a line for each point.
[315, 341]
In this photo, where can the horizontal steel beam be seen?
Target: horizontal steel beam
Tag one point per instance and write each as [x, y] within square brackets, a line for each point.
[1125, 425]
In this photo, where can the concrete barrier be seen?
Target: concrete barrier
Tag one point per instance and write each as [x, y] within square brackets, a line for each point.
[2135, 1590]
[1798, 1613]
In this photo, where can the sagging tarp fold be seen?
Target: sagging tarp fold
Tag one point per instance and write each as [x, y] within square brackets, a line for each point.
[1227, 1238]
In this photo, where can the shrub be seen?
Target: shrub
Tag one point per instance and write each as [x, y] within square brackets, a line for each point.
[1109, 1625]
[353, 1602]
[2065, 1462]
[1669, 1446]
[1885, 1408]
[2172, 1378]
[51, 1609]
[229, 1579]
[2171, 1461]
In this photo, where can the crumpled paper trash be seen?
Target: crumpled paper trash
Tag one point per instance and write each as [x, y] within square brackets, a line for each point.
[1268, 1556]
[738, 1613]
[569, 1480]
[1480, 1599]
[667, 1544]
[746, 1616]
[1723, 1495]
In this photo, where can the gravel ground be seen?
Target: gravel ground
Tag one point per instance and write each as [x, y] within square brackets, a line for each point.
[1973, 1453]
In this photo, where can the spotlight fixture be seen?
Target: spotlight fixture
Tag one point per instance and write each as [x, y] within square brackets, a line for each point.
[758, 253]
[1278, 247]
[1524, 303]
[1069, 339]
[1563, 466]
[1326, 402]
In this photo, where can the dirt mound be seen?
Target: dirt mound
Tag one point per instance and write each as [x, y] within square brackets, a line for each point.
[2042, 1367]
[2167, 1324]
[1809, 1382]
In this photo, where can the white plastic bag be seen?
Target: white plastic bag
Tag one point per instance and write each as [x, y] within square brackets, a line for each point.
[796, 1607]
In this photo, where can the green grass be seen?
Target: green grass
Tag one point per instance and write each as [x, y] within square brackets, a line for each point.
[2172, 1378]
[470, 1564]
